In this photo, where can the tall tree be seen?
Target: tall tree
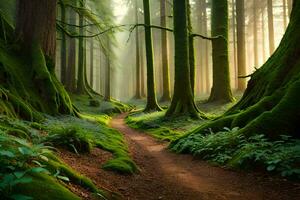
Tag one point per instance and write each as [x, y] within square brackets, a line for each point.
[36, 30]
[137, 55]
[107, 94]
[241, 43]
[81, 71]
[92, 62]
[63, 51]
[183, 99]
[151, 94]
[71, 68]
[272, 95]
[255, 30]
[271, 27]
[221, 90]
[166, 96]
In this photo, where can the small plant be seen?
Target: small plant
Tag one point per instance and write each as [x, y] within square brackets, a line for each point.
[71, 139]
[19, 159]
[230, 148]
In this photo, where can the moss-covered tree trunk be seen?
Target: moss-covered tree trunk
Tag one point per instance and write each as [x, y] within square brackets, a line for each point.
[270, 104]
[151, 93]
[221, 90]
[183, 99]
[33, 85]
[166, 96]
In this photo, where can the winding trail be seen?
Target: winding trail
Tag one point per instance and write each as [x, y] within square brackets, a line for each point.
[168, 176]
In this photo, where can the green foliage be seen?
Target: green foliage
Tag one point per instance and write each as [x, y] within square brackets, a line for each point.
[156, 125]
[18, 160]
[80, 135]
[70, 138]
[89, 106]
[230, 148]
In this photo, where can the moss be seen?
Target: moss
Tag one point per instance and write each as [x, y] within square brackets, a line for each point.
[46, 188]
[98, 135]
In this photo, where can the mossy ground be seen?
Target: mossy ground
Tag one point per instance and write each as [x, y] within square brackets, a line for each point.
[171, 129]
[43, 185]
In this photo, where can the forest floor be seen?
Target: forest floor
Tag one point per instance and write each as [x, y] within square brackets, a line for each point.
[166, 175]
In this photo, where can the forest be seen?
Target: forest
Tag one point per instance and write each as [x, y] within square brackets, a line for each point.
[150, 99]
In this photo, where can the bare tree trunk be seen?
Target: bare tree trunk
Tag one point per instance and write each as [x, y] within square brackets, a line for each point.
[255, 42]
[165, 53]
[271, 27]
[71, 82]
[107, 95]
[63, 55]
[241, 43]
[92, 63]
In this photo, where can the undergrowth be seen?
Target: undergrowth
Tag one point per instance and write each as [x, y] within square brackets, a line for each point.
[28, 167]
[156, 125]
[80, 135]
[236, 151]
[98, 106]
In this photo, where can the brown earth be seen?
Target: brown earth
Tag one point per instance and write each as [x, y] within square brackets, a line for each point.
[165, 175]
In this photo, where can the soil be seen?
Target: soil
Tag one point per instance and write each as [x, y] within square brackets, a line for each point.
[166, 175]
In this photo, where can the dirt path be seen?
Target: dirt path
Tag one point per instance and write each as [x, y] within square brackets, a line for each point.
[165, 175]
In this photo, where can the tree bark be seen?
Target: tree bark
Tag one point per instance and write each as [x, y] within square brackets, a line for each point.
[241, 43]
[63, 53]
[107, 95]
[137, 55]
[166, 96]
[71, 82]
[183, 99]
[36, 31]
[92, 62]
[151, 94]
[271, 27]
[255, 38]
[221, 90]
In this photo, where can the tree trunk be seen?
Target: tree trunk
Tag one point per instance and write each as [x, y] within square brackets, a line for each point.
[284, 3]
[271, 27]
[270, 104]
[137, 55]
[63, 53]
[221, 90]
[233, 26]
[241, 43]
[71, 81]
[82, 84]
[39, 90]
[107, 95]
[151, 94]
[183, 99]
[255, 38]
[191, 51]
[165, 53]
[92, 63]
